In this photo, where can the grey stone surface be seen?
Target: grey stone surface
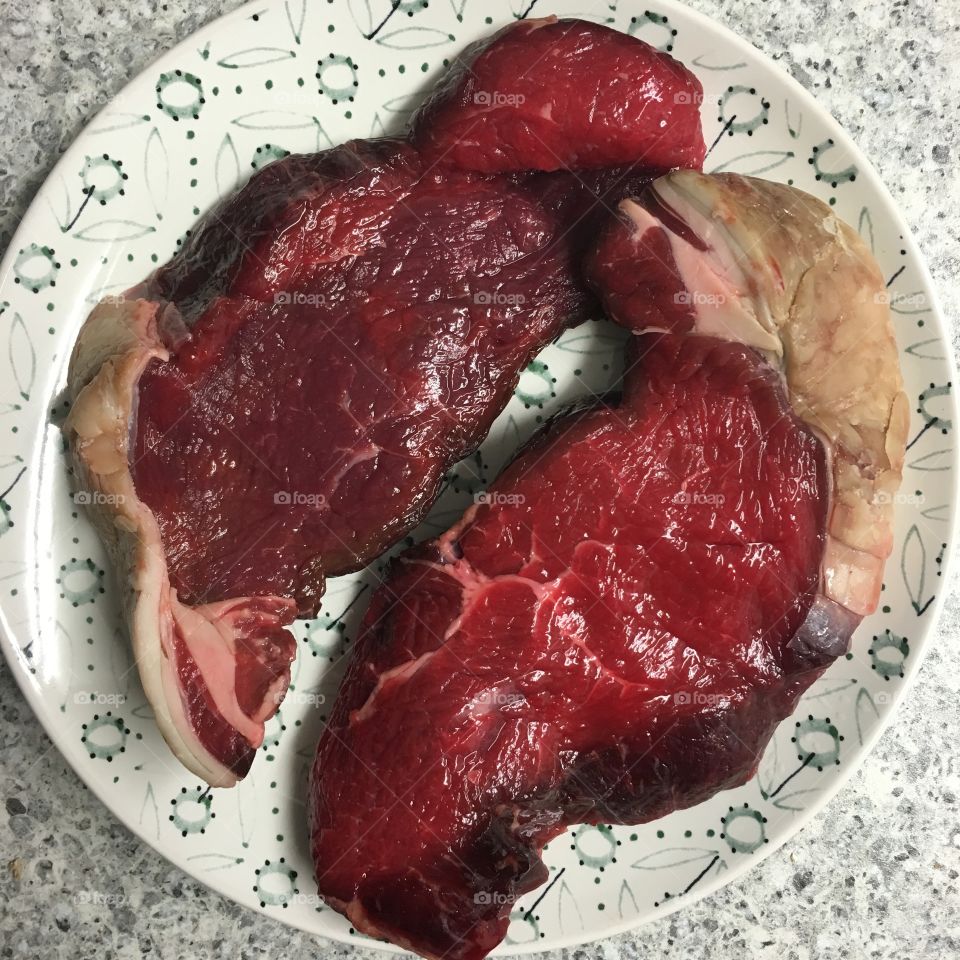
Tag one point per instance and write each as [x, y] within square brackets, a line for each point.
[875, 875]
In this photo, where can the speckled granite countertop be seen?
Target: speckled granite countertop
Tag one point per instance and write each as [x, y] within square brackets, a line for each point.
[876, 874]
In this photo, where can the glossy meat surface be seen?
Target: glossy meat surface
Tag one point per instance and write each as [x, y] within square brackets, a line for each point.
[357, 318]
[563, 94]
[613, 635]
[769, 266]
[280, 402]
[213, 673]
[361, 340]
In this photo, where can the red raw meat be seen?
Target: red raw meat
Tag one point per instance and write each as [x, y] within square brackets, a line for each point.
[563, 94]
[613, 635]
[647, 590]
[771, 267]
[360, 341]
[280, 402]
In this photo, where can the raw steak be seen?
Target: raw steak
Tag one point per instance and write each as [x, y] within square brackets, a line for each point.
[647, 590]
[359, 342]
[563, 94]
[613, 636]
[314, 385]
[280, 402]
[771, 267]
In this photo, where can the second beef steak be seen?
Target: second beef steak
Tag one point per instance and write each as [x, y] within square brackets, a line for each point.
[549, 658]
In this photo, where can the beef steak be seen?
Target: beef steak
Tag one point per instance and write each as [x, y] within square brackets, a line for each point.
[771, 267]
[646, 591]
[554, 94]
[280, 402]
[549, 659]
[360, 342]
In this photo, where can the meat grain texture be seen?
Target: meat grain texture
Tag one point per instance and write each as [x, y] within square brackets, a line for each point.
[616, 636]
[283, 409]
[616, 633]
[662, 574]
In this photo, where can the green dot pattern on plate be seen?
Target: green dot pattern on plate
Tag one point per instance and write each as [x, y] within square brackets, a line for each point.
[324, 637]
[105, 736]
[596, 846]
[36, 268]
[103, 178]
[80, 581]
[337, 78]
[743, 110]
[276, 884]
[835, 177]
[744, 829]
[888, 653]
[653, 28]
[536, 385]
[818, 742]
[180, 95]
[192, 811]
[524, 928]
[267, 153]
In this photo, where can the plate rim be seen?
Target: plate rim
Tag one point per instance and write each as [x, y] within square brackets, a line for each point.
[18, 668]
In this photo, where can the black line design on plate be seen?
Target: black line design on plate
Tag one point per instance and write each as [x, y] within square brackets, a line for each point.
[539, 899]
[799, 769]
[447, 485]
[348, 607]
[701, 874]
[394, 7]
[897, 274]
[83, 206]
[16, 480]
[922, 610]
[726, 127]
[926, 427]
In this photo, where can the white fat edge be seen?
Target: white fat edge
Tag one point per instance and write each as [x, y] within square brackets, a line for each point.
[739, 317]
[113, 350]
[752, 318]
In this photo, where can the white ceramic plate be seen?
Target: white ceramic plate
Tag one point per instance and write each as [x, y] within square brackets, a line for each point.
[299, 76]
